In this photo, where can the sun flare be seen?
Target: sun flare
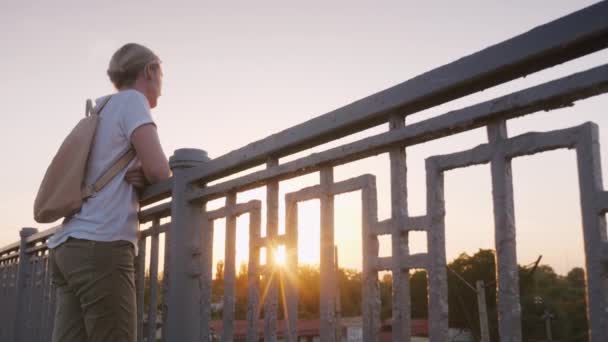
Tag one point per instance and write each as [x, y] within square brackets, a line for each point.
[280, 256]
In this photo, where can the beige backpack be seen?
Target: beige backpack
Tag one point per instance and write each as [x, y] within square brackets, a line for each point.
[63, 189]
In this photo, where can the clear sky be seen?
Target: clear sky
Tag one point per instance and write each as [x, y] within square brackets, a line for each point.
[238, 71]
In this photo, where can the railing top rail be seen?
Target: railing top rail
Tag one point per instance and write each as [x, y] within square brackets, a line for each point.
[156, 192]
[566, 38]
[43, 235]
[40, 236]
[546, 96]
[8, 248]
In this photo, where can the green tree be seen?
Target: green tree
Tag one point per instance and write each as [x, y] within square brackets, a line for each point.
[462, 300]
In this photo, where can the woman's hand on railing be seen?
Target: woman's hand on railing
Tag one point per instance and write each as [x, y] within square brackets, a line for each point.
[135, 176]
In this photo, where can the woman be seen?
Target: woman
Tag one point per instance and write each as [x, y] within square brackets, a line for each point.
[92, 254]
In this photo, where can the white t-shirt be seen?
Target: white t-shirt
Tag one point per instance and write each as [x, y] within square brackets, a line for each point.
[112, 213]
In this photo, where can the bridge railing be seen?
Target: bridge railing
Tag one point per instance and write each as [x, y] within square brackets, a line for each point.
[188, 231]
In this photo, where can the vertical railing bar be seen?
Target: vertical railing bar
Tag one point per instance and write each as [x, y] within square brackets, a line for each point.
[229, 269]
[272, 228]
[21, 287]
[370, 247]
[11, 308]
[49, 307]
[207, 271]
[327, 270]
[437, 274]
[4, 296]
[594, 231]
[140, 281]
[38, 298]
[508, 307]
[52, 308]
[45, 298]
[3, 299]
[291, 249]
[253, 297]
[16, 301]
[39, 295]
[165, 286]
[153, 292]
[29, 329]
[399, 238]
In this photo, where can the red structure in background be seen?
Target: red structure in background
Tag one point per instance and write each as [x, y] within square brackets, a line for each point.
[308, 329]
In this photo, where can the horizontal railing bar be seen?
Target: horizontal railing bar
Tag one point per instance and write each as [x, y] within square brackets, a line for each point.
[11, 247]
[237, 210]
[163, 228]
[417, 223]
[481, 154]
[419, 260]
[157, 212]
[37, 248]
[537, 142]
[9, 256]
[554, 94]
[521, 145]
[352, 184]
[43, 235]
[156, 192]
[244, 208]
[406, 224]
[564, 39]
[383, 227]
[265, 241]
[305, 194]
[216, 214]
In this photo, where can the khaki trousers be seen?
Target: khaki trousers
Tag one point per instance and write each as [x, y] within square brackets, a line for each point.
[95, 284]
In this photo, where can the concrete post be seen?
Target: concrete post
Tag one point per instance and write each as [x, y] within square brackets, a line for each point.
[399, 240]
[23, 273]
[509, 307]
[271, 303]
[594, 231]
[185, 294]
[327, 268]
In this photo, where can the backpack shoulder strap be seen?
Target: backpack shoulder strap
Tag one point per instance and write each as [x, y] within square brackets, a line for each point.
[97, 109]
[110, 173]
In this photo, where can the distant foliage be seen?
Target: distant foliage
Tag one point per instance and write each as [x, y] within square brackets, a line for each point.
[542, 290]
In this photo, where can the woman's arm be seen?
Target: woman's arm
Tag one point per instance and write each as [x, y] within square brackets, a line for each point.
[150, 153]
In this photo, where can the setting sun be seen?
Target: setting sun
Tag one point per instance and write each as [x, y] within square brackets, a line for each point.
[280, 256]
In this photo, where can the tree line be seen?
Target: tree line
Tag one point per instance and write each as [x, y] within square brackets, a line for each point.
[543, 294]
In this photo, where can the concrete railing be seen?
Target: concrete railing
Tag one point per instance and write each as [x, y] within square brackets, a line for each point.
[26, 295]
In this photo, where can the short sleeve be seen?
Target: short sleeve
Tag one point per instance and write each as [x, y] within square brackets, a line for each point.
[135, 113]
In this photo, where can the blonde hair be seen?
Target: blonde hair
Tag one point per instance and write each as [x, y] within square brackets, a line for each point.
[127, 63]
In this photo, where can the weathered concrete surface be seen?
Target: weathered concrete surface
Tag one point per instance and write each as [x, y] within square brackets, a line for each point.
[399, 239]
[554, 94]
[187, 291]
[327, 269]
[507, 271]
[271, 304]
[566, 38]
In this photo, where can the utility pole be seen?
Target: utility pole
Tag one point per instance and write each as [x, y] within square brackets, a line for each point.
[481, 304]
[548, 317]
[483, 311]
[338, 301]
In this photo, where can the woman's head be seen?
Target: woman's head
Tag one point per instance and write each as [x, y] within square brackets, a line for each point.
[137, 67]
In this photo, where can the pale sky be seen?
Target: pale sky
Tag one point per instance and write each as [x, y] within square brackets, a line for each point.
[239, 71]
